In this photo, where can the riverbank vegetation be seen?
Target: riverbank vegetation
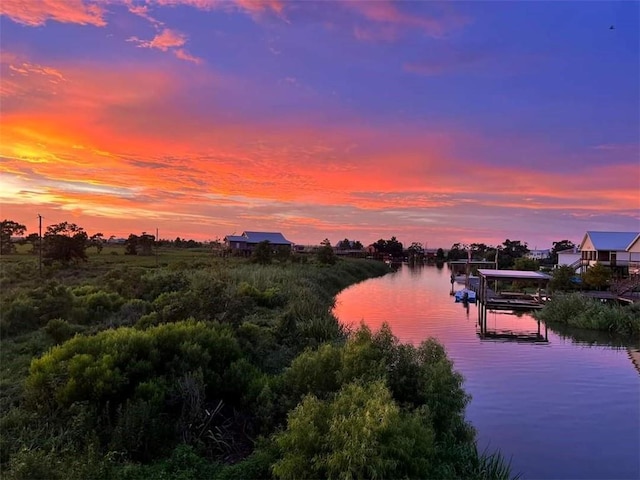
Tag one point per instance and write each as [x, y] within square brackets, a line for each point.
[196, 367]
[578, 311]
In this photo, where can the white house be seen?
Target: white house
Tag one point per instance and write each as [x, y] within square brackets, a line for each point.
[614, 249]
[570, 256]
[539, 254]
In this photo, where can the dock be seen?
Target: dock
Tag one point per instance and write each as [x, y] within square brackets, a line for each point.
[494, 299]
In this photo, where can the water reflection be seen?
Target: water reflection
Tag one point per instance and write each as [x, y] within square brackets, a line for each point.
[592, 337]
[553, 405]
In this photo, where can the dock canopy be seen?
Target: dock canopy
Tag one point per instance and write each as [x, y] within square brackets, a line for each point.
[513, 275]
[510, 300]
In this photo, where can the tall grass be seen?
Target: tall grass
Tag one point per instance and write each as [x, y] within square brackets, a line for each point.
[578, 311]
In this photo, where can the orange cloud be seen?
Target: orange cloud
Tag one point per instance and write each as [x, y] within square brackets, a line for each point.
[80, 140]
[38, 12]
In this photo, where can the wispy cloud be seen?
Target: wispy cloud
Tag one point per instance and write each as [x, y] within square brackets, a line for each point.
[38, 12]
[387, 19]
[252, 7]
[446, 61]
[168, 40]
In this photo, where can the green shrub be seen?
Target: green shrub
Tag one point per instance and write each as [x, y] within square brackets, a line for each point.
[108, 366]
[60, 330]
[358, 434]
[19, 315]
[578, 311]
[131, 311]
[153, 284]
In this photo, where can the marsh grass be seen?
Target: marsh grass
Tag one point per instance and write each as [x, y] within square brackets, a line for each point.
[578, 311]
[98, 326]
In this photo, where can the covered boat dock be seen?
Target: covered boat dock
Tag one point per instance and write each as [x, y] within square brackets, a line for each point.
[509, 300]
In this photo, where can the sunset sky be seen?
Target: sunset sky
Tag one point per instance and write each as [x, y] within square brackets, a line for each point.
[432, 122]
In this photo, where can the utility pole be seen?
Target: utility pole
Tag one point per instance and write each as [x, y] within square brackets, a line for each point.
[157, 243]
[40, 244]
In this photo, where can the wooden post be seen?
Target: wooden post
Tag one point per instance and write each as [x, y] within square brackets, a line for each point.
[40, 244]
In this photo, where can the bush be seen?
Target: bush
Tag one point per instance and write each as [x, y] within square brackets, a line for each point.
[358, 434]
[60, 330]
[582, 312]
[109, 365]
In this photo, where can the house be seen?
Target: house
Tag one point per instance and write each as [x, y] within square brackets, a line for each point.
[539, 254]
[618, 250]
[245, 244]
[568, 257]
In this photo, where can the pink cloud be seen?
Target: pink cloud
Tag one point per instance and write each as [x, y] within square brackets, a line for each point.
[163, 41]
[168, 40]
[143, 12]
[182, 54]
[38, 12]
[389, 17]
[249, 6]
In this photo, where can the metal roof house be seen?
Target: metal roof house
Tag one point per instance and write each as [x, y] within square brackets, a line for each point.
[614, 249]
[569, 257]
[245, 243]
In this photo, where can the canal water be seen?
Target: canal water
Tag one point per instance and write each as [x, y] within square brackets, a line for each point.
[564, 407]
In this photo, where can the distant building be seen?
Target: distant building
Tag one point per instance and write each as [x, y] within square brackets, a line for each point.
[539, 254]
[245, 244]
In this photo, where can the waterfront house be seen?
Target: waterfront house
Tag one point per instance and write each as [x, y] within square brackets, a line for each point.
[618, 250]
[245, 244]
[569, 257]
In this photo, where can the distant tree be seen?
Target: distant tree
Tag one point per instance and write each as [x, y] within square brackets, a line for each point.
[65, 242]
[456, 252]
[262, 253]
[524, 263]
[479, 250]
[97, 240]
[391, 247]
[597, 276]
[415, 251]
[562, 279]
[440, 255]
[394, 247]
[559, 247]
[347, 244]
[509, 251]
[325, 254]
[145, 243]
[344, 244]
[380, 246]
[8, 229]
[34, 240]
[131, 245]
[416, 247]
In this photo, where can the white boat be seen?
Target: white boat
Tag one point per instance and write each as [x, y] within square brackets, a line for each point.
[465, 295]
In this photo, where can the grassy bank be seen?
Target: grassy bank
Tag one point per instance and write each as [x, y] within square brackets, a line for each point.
[204, 367]
[578, 311]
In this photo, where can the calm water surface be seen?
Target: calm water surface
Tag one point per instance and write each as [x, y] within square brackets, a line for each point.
[566, 408]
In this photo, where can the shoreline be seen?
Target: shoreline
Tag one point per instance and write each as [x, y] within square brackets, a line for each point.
[634, 355]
